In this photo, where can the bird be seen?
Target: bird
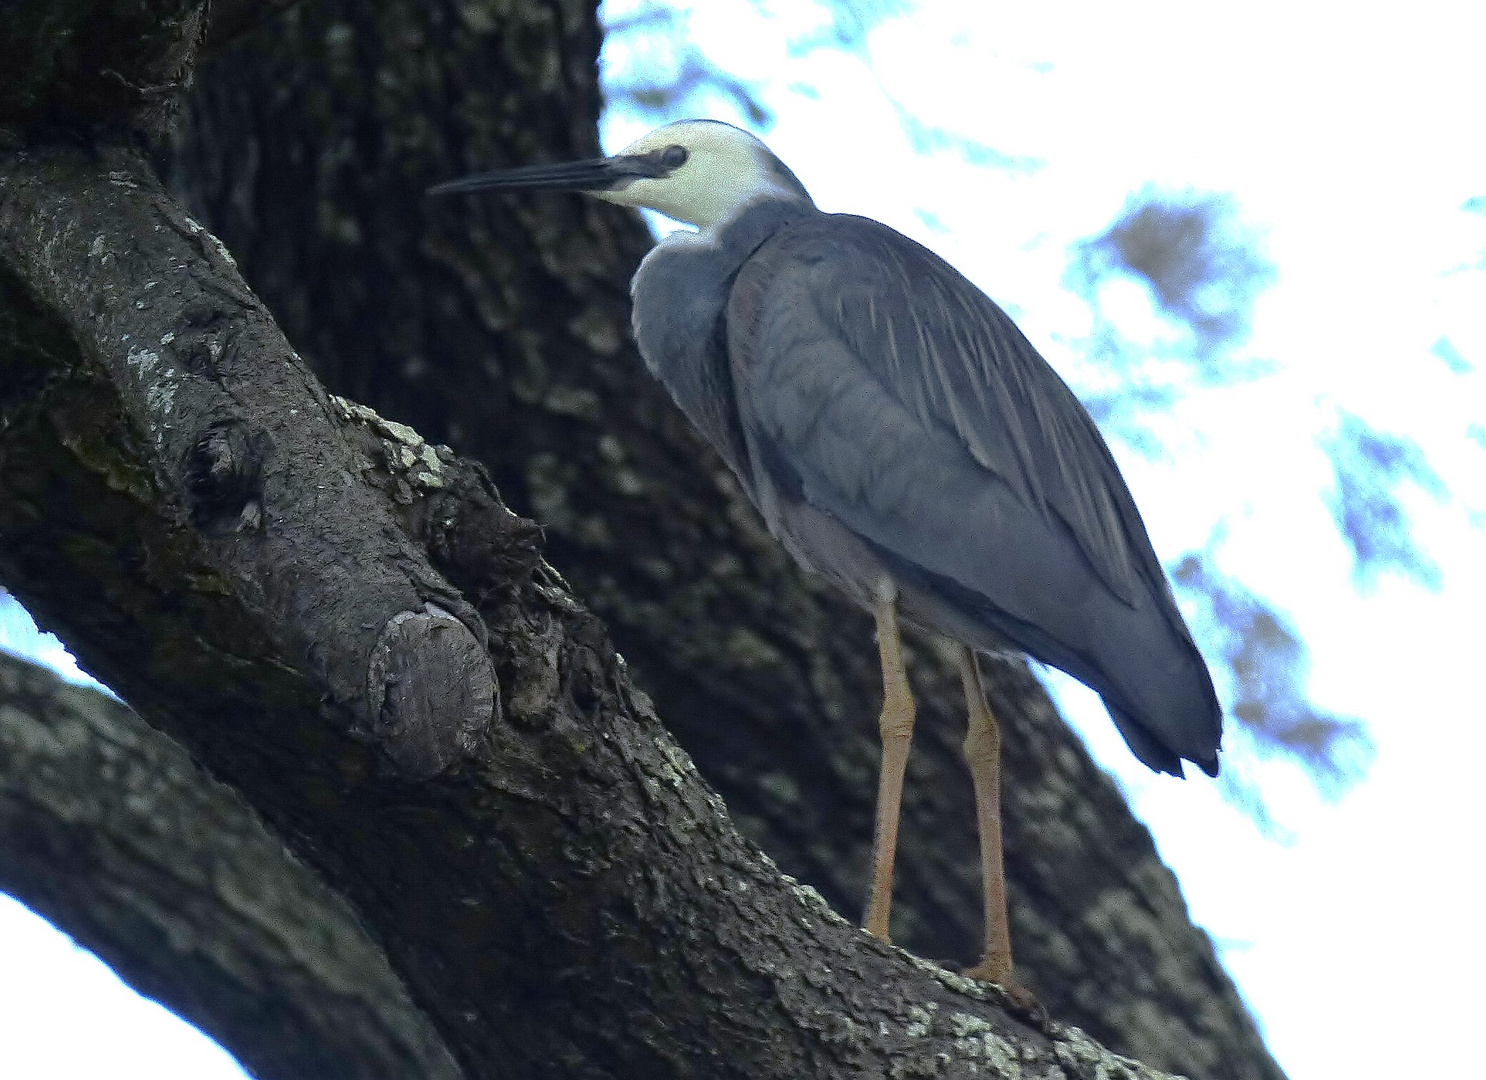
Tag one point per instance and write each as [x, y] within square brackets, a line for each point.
[903, 439]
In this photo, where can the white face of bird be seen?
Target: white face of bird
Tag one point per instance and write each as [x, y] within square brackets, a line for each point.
[712, 170]
[700, 172]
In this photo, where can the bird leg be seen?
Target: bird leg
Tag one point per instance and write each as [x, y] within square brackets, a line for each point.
[983, 752]
[896, 728]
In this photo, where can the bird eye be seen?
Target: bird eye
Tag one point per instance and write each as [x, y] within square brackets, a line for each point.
[673, 157]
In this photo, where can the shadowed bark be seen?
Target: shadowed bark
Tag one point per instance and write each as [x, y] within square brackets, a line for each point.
[96, 65]
[112, 832]
[561, 896]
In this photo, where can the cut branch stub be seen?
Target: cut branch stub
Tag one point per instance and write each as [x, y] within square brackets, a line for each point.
[245, 479]
[430, 691]
[224, 476]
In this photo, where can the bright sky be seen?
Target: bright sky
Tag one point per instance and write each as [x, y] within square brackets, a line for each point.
[1351, 143]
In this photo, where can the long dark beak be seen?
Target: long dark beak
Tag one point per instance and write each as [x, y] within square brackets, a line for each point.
[597, 174]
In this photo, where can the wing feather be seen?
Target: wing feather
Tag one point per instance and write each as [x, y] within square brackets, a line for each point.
[882, 392]
[956, 362]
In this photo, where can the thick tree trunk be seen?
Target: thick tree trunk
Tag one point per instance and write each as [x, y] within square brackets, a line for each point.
[301, 593]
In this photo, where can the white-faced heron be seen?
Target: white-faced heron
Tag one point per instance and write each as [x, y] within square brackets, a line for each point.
[902, 438]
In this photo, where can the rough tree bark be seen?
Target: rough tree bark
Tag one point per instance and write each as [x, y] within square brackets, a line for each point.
[113, 832]
[239, 554]
[233, 550]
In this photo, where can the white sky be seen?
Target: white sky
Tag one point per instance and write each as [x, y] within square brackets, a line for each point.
[1350, 141]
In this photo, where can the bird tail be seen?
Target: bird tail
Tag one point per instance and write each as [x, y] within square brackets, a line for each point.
[1151, 750]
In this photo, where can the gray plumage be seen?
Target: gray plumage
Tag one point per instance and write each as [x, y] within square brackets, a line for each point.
[901, 437]
[886, 417]
[893, 425]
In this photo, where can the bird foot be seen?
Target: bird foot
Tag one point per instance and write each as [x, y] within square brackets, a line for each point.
[990, 970]
[1020, 1001]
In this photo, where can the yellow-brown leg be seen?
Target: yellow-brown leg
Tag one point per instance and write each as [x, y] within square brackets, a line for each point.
[983, 752]
[896, 727]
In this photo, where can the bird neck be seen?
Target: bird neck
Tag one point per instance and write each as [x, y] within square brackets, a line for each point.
[756, 220]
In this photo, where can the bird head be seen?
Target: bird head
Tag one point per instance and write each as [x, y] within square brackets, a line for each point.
[700, 172]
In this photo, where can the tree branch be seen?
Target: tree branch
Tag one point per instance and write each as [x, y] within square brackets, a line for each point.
[226, 545]
[196, 368]
[109, 829]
